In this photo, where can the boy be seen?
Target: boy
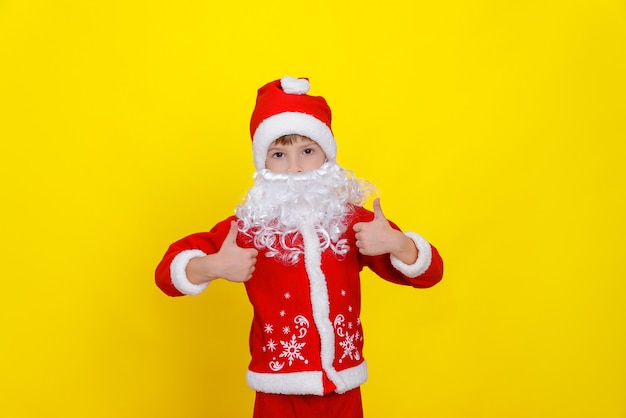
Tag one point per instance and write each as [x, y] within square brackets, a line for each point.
[298, 242]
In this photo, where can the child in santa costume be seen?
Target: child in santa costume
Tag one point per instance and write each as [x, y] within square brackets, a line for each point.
[298, 242]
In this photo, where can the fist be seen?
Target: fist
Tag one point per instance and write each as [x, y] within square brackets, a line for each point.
[235, 263]
[377, 236]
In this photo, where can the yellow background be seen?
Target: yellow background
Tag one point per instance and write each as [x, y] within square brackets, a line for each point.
[495, 129]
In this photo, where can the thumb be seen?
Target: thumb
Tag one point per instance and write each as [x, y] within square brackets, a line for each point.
[231, 238]
[378, 210]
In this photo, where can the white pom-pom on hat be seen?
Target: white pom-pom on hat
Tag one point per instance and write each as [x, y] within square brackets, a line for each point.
[292, 85]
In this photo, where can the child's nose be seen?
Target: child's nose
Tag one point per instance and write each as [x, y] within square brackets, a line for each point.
[294, 166]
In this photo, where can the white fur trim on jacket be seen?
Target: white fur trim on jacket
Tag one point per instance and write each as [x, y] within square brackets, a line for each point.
[288, 123]
[179, 277]
[304, 383]
[321, 304]
[423, 259]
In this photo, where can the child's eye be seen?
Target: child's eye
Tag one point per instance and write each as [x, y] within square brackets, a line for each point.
[278, 155]
[309, 151]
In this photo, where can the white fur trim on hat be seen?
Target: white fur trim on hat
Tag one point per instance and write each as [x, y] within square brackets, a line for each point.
[423, 261]
[288, 123]
[179, 276]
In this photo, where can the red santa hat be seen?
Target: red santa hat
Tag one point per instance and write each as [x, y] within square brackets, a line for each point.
[283, 107]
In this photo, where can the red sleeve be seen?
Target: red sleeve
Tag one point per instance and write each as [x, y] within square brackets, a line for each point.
[207, 242]
[381, 265]
[429, 264]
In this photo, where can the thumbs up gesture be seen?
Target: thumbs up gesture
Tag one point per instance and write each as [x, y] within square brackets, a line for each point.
[378, 237]
[231, 262]
[236, 263]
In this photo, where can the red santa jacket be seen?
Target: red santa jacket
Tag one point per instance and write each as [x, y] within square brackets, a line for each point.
[306, 335]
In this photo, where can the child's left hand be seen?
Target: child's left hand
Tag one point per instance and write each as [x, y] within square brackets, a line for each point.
[378, 237]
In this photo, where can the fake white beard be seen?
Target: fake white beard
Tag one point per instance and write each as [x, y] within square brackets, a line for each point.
[279, 204]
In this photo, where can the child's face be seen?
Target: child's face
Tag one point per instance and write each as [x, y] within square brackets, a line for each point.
[303, 154]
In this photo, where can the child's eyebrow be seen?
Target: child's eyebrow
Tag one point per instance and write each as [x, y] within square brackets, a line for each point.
[307, 143]
[276, 147]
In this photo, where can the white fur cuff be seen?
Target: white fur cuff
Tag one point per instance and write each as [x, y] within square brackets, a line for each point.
[179, 276]
[423, 258]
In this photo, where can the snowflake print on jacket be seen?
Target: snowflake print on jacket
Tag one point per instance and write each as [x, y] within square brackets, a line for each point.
[348, 343]
[292, 348]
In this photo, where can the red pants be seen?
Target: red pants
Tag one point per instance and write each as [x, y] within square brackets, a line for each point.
[333, 405]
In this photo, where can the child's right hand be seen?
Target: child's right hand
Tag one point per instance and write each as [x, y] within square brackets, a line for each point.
[236, 263]
[231, 262]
